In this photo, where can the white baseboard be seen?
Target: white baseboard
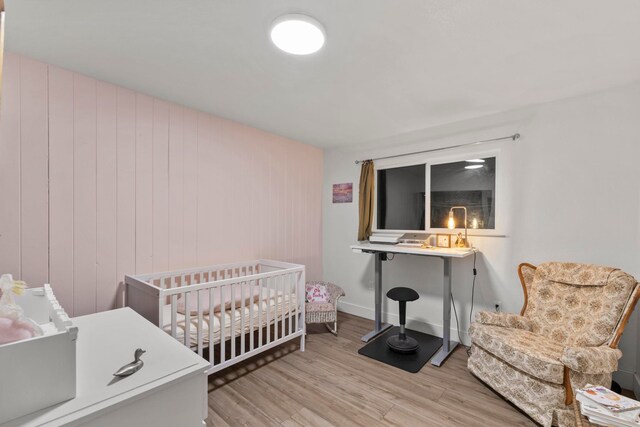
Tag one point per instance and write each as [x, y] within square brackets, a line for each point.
[636, 385]
[418, 325]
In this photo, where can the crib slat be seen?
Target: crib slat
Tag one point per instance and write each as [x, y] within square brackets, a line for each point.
[174, 314]
[233, 320]
[211, 318]
[276, 285]
[283, 317]
[290, 307]
[187, 321]
[199, 328]
[297, 301]
[242, 316]
[223, 314]
[251, 304]
[260, 299]
[268, 282]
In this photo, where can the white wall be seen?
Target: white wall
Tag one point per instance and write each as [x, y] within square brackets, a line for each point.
[573, 195]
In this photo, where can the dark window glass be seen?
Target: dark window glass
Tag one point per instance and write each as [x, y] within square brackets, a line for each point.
[470, 183]
[401, 202]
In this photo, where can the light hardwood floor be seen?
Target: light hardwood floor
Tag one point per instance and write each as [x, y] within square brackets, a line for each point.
[330, 384]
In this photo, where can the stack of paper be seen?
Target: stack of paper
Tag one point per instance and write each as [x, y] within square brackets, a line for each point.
[603, 406]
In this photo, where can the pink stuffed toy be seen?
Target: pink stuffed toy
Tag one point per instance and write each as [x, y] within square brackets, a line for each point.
[15, 330]
[13, 325]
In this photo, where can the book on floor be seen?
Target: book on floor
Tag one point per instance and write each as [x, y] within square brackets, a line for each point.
[601, 415]
[609, 399]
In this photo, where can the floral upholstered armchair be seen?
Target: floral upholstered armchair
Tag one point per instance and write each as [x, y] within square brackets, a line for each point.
[566, 336]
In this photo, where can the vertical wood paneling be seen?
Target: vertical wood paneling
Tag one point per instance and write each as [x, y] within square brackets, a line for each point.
[190, 194]
[61, 167]
[232, 186]
[295, 209]
[10, 249]
[263, 200]
[244, 173]
[281, 200]
[84, 195]
[144, 184]
[176, 187]
[126, 192]
[107, 196]
[220, 189]
[269, 228]
[160, 180]
[98, 182]
[34, 171]
[203, 194]
[315, 222]
[288, 203]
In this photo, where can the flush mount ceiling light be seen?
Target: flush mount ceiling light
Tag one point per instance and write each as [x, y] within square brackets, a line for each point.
[473, 166]
[475, 161]
[297, 34]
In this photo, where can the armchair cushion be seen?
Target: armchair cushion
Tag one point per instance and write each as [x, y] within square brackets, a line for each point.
[316, 293]
[571, 273]
[333, 291]
[531, 353]
[583, 313]
[506, 320]
[591, 360]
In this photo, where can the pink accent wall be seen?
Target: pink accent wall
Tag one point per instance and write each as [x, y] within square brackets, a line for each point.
[97, 181]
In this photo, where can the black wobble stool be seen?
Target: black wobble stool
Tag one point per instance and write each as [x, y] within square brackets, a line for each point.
[401, 343]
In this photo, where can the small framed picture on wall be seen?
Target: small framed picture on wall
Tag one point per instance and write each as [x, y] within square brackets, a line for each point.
[443, 240]
[343, 193]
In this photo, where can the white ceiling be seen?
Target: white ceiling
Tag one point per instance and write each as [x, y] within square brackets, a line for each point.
[388, 66]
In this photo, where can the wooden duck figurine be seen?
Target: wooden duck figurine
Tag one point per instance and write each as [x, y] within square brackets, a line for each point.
[132, 367]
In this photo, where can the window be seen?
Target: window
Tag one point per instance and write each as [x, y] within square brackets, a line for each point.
[416, 193]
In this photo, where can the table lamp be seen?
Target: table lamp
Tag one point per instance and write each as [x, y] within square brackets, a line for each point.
[451, 224]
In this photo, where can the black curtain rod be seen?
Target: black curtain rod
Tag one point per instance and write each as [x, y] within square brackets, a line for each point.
[511, 137]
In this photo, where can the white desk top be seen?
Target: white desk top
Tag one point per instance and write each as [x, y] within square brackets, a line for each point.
[410, 250]
[106, 341]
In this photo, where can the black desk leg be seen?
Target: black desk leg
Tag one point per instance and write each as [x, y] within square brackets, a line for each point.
[379, 327]
[447, 345]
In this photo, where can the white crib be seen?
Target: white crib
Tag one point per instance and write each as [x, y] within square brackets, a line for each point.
[234, 311]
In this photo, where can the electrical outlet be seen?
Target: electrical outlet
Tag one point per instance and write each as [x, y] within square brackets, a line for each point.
[498, 306]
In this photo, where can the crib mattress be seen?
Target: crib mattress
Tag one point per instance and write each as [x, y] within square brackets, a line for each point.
[277, 307]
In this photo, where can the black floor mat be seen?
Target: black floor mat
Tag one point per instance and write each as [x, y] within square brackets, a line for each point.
[378, 350]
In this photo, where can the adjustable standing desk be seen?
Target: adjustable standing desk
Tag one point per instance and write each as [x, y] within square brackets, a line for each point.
[446, 254]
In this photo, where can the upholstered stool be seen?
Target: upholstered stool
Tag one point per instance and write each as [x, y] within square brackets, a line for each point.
[401, 343]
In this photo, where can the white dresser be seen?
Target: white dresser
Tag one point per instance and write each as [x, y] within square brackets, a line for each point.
[170, 390]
